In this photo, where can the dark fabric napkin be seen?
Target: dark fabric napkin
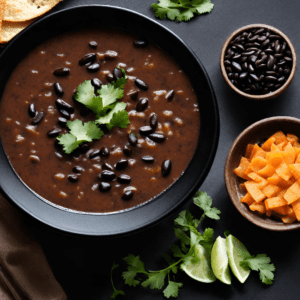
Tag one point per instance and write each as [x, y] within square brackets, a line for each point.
[24, 270]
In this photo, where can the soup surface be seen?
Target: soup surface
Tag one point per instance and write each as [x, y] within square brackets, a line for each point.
[46, 169]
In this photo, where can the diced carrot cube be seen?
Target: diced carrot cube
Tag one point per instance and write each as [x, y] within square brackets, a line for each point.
[295, 169]
[257, 164]
[282, 145]
[297, 161]
[293, 193]
[243, 166]
[274, 179]
[279, 137]
[283, 171]
[286, 184]
[292, 138]
[289, 219]
[249, 150]
[243, 188]
[276, 159]
[247, 199]
[282, 210]
[260, 207]
[267, 144]
[267, 171]
[254, 191]
[260, 180]
[257, 152]
[296, 208]
[275, 202]
[271, 190]
[288, 154]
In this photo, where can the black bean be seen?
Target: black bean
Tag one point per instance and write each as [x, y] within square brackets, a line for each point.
[288, 53]
[62, 121]
[104, 187]
[258, 31]
[140, 43]
[88, 58]
[252, 49]
[277, 48]
[54, 132]
[268, 51]
[278, 55]
[288, 59]
[236, 76]
[262, 60]
[84, 148]
[261, 38]
[254, 38]
[153, 121]
[61, 104]
[243, 59]
[270, 78]
[61, 72]
[281, 79]
[254, 77]
[272, 73]
[236, 66]
[117, 73]
[142, 104]
[245, 66]
[277, 86]
[157, 137]
[259, 52]
[133, 95]
[248, 53]
[261, 78]
[104, 152]
[240, 47]
[110, 77]
[252, 59]
[145, 130]
[96, 83]
[243, 76]
[271, 62]
[283, 47]
[122, 164]
[65, 114]
[124, 179]
[270, 85]
[166, 167]
[95, 153]
[38, 118]
[141, 84]
[110, 54]
[237, 57]
[230, 75]
[107, 175]
[94, 67]
[274, 36]
[170, 95]
[281, 63]
[261, 67]
[265, 43]
[78, 169]
[280, 71]
[31, 110]
[148, 159]
[127, 195]
[250, 68]
[93, 44]
[265, 91]
[132, 139]
[107, 166]
[127, 150]
[58, 89]
[73, 178]
[227, 63]
[228, 69]
[287, 71]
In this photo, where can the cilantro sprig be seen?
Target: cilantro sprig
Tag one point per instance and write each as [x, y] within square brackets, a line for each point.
[181, 10]
[189, 237]
[108, 112]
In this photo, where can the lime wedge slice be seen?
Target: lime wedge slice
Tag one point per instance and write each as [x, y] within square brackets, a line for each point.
[237, 252]
[200, 271]
[219, 261]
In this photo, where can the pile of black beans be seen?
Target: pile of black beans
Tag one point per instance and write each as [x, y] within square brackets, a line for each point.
[258, 61]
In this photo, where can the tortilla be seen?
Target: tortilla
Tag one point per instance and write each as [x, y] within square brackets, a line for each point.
[24, 10]
[10, 29]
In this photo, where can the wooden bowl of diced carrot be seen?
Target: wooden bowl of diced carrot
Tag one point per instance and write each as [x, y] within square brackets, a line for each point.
[262, 173]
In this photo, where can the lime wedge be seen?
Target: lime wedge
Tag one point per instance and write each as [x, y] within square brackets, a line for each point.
[237, 252]
[200, 271]
[219, 261]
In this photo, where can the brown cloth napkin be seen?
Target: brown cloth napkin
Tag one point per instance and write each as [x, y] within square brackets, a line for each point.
[24, 270]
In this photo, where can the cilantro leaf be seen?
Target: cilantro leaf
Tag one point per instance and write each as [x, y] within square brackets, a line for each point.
[85, 92]
[208, 239]
[119, 119]
[181, 10]
[205, 202]
[69, 142]
[155, 280]
[115, 292]
[186, 220]
[119, 106]
[172, 289]
[261, 263]
[95, 105]
[135, 266]
[109, 93]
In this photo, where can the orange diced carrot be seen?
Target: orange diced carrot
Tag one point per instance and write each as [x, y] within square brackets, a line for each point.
[289, 219]
[257, 164]
[274, 179]
[260, 207]
[295, 169]
[249, 150]
[247, 199]
[296, 208]
[286, 184]
[271, 190]
[254, 191]
[288, 154]
[279, 137]
[282, 145]
[260, 180]
[267, 144]
[243, 166]
[275, 202]
[292, 138]
[293, 193]
[282, 210]
[257, 152]
[243, 188]
[267, 171]
[283, 171]
[296, 145]
[297, 161]
[276, 159]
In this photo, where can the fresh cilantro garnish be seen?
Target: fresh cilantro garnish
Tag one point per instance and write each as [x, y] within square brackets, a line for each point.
[115, 292]
[181, 10]
[261, 263]
[204, 202]
[79, 133]
[172, 289]
[106, 108]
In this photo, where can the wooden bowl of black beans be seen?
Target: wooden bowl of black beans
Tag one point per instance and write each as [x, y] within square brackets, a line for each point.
[258, 61]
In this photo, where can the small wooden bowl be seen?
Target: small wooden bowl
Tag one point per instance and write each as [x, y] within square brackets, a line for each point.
[266, 96]
[256, 133]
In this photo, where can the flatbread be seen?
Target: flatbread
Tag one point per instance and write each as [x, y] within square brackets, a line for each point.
[24, 10]
[10, 29]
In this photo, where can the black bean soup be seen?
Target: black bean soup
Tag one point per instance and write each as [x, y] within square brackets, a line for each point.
[258, 61]
[125, 167]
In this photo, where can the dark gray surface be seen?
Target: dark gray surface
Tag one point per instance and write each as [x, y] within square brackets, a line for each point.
[82, 266]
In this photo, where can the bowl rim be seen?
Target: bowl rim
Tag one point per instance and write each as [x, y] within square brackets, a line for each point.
[63, 225]
[250, 216]
[266, 96]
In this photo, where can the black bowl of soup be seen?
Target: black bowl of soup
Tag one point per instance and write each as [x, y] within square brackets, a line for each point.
[151, 167]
